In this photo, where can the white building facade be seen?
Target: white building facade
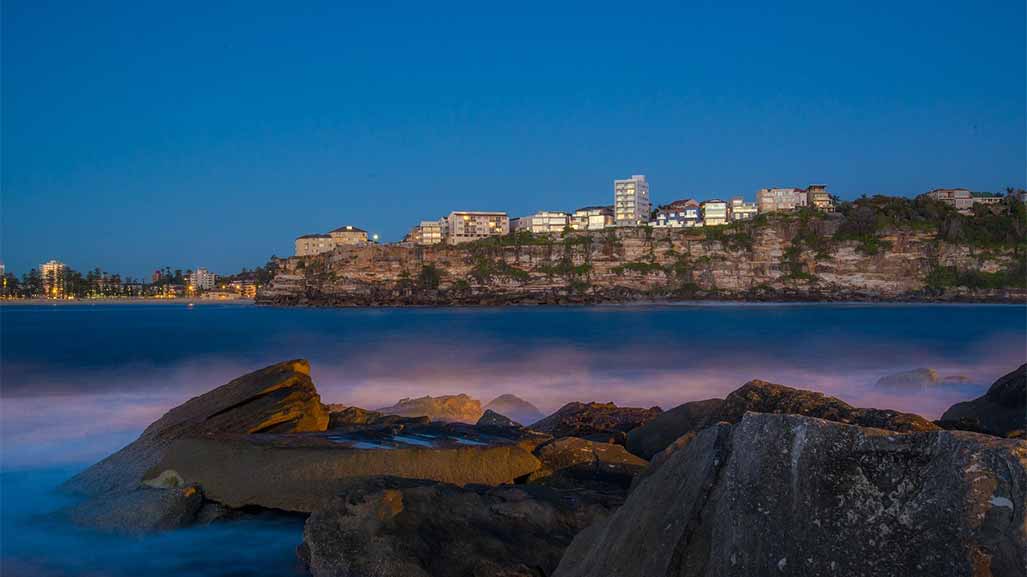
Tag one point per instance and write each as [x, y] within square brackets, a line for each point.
[631, 203]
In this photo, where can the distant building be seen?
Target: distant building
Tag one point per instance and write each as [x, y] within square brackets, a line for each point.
[714, 212]
[631, 203]
[781, 199]
[818, 197]
[959, 198]
[244, 288]
[429, 232]
[311, 244]
[591, 218]
[741, 210]
[202, 279]
[348, 235]
[466, 226]
[986, 198]
[548, 222]
[52, 273]
[520, 223]
[685, 213]
[155, 277]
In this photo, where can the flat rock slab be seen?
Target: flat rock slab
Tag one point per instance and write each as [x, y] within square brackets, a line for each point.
[302, 474]
[142, 510]
[792, 495]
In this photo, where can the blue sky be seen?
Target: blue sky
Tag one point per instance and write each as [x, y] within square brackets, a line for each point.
[143, 134]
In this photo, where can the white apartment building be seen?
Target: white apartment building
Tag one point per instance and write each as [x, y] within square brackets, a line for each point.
[52, 273]
[714, 212]
[591, 218]
[631, 202]
[202, 279]
[429, 232]
[311, 244]
[741, 210]
[548, 222]
[775, 199]
[468, 226]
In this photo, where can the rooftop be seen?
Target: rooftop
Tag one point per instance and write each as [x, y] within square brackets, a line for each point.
[348, 228]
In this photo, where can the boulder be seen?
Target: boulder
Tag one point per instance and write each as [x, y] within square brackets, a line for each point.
[763, 397]
[444, 531]
[301, 474]
[493, 419]
[570, 462]
[914, 379]
[350, 416]
[447, 408]
[594, 419]
[516, 408]
[786, 494]
[357, 419]
[141, 510]
[1001, 411]
[280, 398]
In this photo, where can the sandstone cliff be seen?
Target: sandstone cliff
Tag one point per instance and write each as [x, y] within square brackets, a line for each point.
[780, 258]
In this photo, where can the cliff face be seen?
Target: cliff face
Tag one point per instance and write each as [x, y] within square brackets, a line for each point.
[783, 259]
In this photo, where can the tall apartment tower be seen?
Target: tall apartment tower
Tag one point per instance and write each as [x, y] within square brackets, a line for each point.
[631, 203]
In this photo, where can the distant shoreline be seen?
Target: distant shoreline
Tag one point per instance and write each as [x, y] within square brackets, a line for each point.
[125, 301]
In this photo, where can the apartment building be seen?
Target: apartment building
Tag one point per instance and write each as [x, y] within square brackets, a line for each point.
[202, 279]
[591, 218]
[429, 232]
[348, 235]
[311, 244]
[548, 222]
[958, 198]
[631, 203]
[714, 212]
[780, 199]
[741, 210]
[52, 273]
[468, 226]
[818, 197]
[685, 213]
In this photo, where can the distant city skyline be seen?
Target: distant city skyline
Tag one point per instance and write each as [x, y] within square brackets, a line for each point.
[136, 137]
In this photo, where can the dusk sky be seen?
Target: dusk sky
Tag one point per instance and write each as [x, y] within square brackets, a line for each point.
[142, 134]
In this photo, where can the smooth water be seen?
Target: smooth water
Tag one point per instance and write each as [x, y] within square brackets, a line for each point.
[80, 381]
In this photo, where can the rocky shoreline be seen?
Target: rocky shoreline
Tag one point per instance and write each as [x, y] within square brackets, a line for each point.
[768, 480]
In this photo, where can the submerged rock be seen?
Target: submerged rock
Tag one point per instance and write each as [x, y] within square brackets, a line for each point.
[601, 420]
[494, 419]
[784, 494]
[447, 408]
[140, 510]
[444, 531]
[1001, 411]
[280, 398]
[515, 408]
[914, 379]
[763, 397]
[301, 474]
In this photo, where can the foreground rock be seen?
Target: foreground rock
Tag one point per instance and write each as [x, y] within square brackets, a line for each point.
[782, 494]
[140, 510]
[1001, 411]
[570, 463]
[605, 422]
[447, 408]
[444, 531]
[515, 408]
[298, 474]
[763, 397]
[280, 398]
[494, 419]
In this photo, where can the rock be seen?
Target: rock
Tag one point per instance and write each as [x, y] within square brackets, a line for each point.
[763, 397]
[1001, 411]
[444, 531]
[494, 419]
[516, 408]
[585, 419]
[447, 408]
[350, 416]
[277, 399]
[571, 462]
[785, 494]
[357, 419]
[298, 474]
[914, 379]
[140, 510]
